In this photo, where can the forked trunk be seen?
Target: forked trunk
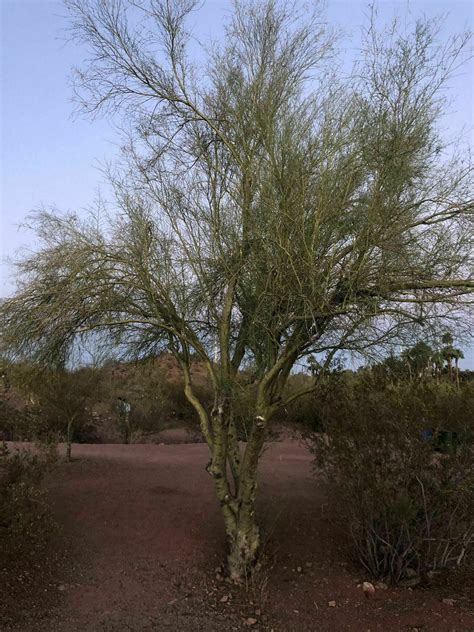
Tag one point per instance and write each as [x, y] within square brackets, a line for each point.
[242, 530]
[237, 500]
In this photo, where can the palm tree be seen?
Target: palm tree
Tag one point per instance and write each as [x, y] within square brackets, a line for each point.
[457, 355]
[418, 359]
[448, 356]
[447, 339]
[437, 361]
[447, 351]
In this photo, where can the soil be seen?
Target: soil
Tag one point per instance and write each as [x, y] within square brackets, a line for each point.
[141, 541]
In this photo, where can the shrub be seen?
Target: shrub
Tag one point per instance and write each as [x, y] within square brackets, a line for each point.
[157, 400]
[409, 507]
[304, 411]
[24, 514]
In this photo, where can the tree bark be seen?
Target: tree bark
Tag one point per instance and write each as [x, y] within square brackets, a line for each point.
[244, 539]
[126, 429]
[450, 369]
[237, 500]
[244, 545]
[69, 441]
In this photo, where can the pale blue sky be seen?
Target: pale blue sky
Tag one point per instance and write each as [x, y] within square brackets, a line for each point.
[50, 157]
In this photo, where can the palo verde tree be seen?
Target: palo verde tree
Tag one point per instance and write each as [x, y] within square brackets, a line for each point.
[267, 206]
[60, 401]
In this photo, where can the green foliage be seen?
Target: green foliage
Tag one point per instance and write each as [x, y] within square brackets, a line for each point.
[305, 410]
[11, 421]
[48, 405]
[157, 401]
[422, 361]
[25, 519]
[61, 402]
[409, 507]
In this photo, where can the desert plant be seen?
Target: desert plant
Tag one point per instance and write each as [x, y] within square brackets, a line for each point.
[156, 401]
[25, 519]
[410, 509]
[269, 209]
[61, 403]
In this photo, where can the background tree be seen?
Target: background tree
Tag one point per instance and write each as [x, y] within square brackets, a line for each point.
[62, 402]
[447, 352]
[457, 355]
[450, 353]
[418, 360]
[438, 363]
[267, 202]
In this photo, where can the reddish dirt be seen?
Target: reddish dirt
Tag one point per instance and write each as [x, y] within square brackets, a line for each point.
[145, 538]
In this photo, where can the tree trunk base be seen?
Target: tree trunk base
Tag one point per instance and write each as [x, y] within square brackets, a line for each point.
[243, 551]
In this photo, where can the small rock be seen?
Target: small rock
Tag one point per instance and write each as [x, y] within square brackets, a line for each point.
[381, 586]
[332, 604]
[368, 589]
[299, 569]
[224, 599]
[309, 564]
[449, 602]
[258, 612]
[250, 621]
[61, 587]
[409, 583]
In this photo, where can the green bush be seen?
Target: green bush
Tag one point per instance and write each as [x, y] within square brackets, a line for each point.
[156, 401]
[409, 507]
[24, 513]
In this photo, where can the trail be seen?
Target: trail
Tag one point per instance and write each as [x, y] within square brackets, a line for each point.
[146, 536]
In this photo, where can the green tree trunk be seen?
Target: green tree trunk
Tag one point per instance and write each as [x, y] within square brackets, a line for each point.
[126, 429]
[69, 440]
[234, 473]
[244, 545]
[450, 369]
[243, 533]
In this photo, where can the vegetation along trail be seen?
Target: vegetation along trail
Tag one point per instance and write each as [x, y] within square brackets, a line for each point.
[146, 540]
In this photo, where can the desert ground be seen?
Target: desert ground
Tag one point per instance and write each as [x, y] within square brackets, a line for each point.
[140, 542]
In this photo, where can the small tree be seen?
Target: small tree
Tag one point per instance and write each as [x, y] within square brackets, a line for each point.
[270, 208]
[457, 354]
[418, 360]
[124, 409]
[450, 353]
[62, 402]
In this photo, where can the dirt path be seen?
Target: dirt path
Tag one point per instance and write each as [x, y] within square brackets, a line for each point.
[146, 538]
